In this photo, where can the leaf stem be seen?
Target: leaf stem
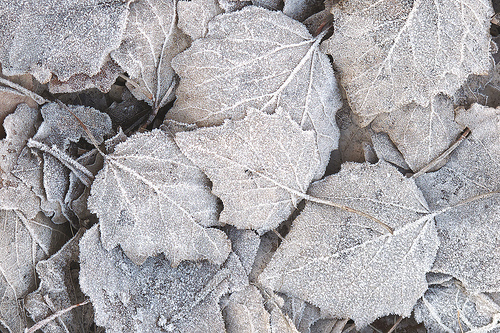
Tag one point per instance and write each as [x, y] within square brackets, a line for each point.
[34, 96]
[47, 320]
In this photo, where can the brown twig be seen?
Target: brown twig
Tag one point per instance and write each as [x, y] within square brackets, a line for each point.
[47, 320]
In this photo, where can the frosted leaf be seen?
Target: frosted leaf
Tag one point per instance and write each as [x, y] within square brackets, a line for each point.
[421, 133]
[58, 290]
[14, 194]
[441, 307]
[302, 9]
[258, 59]
[347, 264]
[9, 100]
[386, 150]
[23, 243]
[466, 189]
[153, 297]
[103, 80]
[151, 40]
[245, 312]
[268, 244]
[194, 16]
[269, 4]
[302, 314]
[19, 127]
[230, 6]
[392, 53]
[62, 37]
[253, 164]
[147, 185]
[245, 243]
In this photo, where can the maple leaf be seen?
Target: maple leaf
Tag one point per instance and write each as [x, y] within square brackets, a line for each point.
[258, 59]
[346, 264]
[150, 42]
[392, 53]
[147, 185]
[257, 166]
[153, 297]
[64, 38]
[466, 191]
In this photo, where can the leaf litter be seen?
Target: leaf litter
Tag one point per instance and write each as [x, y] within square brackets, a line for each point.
[190, 233]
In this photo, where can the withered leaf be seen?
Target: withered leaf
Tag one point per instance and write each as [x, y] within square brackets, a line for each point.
[258, 59]
[466, 190]
[153, 297]
[392, 53]
[147, 185]
[255, 164]
[151, 40]
[347, 264]
[63, 37]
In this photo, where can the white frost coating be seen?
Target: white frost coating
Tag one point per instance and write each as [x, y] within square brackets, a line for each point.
[151, 199]
[251, 163]
[348, 265]
[60, 37]
[394, 52]
[255, 58]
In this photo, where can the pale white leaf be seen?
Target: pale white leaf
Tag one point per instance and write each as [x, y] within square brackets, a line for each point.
[391, 53]
[194, 16]
[256, 58]
[147, 185]
[255, 164]
[347, 264]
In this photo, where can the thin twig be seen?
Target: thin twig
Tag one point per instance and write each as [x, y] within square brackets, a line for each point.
[395, 324]
[34, 96]
[445, 154]
[47, 320]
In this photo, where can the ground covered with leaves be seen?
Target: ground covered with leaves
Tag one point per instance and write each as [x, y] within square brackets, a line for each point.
[249, 166]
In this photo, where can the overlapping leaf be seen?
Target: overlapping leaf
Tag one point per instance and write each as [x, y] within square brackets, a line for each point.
[467, 190]
[258, 59]
[60, 37]
[347, 264]
[194, 16]
[151, 40]
[258, 166]
[151, 199]
[392, 53]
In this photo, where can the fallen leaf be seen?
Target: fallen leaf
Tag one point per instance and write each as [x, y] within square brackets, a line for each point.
[466, 192]
[63, 38]
[278, 66]
[421, 133]
[347, 264]
[257, 166]
[58, 290]
[151, 40]
[153, 297]
[147, 185]
[392, 53]
[301, 9]
[194, 16]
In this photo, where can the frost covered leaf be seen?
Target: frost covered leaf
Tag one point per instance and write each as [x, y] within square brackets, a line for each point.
[348, 265]
[147, 185]
[442, 306]
[153, 297]
[302, 314]
[386, 150]
[421, 133]
[258, 59]
[467, 189]
[255, 165]
[23, 243]
[245, 243]
[102, 80]
[194, 16]
[392, 53]
[58, 290]
[151, 40]
[63, 37]
[9, 100]
[302, 9]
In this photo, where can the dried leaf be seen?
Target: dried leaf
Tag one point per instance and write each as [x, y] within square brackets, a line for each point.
[302, 314]
[302, 9]
[258, 59]
[58, 290]
[194, 16]
[392, 53]
[466, 190]
[449, 309]
[147, 185]
[245, 243]
[23, 243]
[255, 164]
[386, 150]
[421, 133]
[63, 38]
[348, 265]
[103, 80]
[151, 40]
[153, 297]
